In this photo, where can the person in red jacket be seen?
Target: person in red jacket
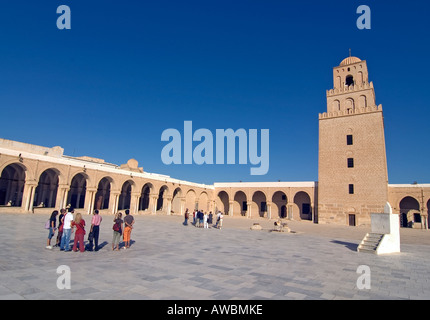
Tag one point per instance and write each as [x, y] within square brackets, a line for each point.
[79, 223]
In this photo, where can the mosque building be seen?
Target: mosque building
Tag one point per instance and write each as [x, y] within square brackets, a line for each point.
[352, 175]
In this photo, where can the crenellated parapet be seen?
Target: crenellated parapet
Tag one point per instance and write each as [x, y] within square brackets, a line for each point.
[350, 89]
[350, 112]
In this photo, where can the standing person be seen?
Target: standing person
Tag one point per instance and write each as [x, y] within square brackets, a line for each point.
[67, 230]
[220, 220]
[200, 218]
[217, 219]
[52, 221]
[128, 226]
[210, 217]
[79, 223]
[117, 230]
[60, 226]
[194, 217]
[187, 215]
[205, 220]
[95, 229]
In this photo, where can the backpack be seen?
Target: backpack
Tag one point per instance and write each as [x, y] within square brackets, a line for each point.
[117, 227]
[48, 224]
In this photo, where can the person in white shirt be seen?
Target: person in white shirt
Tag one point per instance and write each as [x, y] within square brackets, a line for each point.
[205, 221]
[67, 230]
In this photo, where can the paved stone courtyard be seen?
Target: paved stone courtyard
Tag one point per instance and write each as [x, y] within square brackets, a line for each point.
[170, 261]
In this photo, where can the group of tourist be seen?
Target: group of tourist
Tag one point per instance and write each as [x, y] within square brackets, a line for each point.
[203, 219]
[68, 221]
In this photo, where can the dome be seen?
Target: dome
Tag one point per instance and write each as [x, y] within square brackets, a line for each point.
[350, 60]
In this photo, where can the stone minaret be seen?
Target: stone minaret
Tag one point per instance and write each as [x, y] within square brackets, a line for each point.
[352, 168]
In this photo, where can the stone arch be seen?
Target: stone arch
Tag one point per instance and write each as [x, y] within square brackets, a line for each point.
[190, 200]
[47, 188]
[349, 105]
[176, 201]
[302, 200]
[102, 197]
[349, 80]
[362, 101]
[409, 211]
[338, 82]
[222, 202]
[259, 204]
[12, 181]
[145, 193]
[336, 106]
[360, 78]
[240, 204]
[279, 204]
[124, 200]
[162, 193]
[77, 192]
[203, 201]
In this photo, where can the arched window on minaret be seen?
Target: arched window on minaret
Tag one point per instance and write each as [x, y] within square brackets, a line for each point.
[336, 106]
[362, 102]
[349, 80]
[337, 85]
[360, 78]
[349, 105]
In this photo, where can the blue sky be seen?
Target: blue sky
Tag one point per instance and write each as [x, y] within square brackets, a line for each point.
[128, 70]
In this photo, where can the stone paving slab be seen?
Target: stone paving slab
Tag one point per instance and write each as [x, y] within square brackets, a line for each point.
[170, 261]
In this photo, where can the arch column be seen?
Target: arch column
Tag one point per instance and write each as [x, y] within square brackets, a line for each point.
[134, 202]
[28, 195]
[290, 215]
[249, 209]
[230, 208]
[269, 209]
[62, 194]
[183, 201]
[153, 199]
[90, 195]
[113, 202]
[167, 205]
[426, 216]
[209, 204]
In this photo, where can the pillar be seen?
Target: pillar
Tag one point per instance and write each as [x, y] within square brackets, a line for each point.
[134, 202]
[249, 209]
[89, 200]
[113, 202]
[153, 199]
[28, 195]
[269, 209]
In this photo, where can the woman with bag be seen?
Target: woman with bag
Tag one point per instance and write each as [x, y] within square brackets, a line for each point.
[117, 231]
[79, 223]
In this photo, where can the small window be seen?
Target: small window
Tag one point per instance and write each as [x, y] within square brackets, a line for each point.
[350, 162]
[351, 189]
[284, 197]
[349, 140]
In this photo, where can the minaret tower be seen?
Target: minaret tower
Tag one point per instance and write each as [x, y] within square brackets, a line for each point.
[352, 167]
